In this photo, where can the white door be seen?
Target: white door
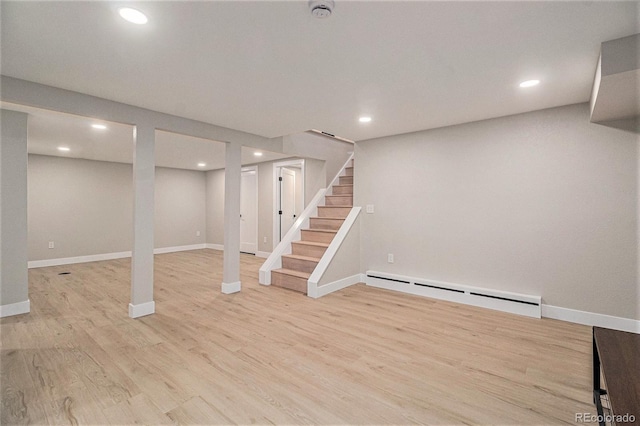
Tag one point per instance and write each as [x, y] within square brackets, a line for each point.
[287, 200]
[248, 212]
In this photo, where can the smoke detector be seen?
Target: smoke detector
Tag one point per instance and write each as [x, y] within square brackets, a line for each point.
[321, 8]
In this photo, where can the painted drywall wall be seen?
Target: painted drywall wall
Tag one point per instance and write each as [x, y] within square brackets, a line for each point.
[180, 207]
[13, 212]
[543, 203]
[85, 207]
[215, 206]
[312, 145]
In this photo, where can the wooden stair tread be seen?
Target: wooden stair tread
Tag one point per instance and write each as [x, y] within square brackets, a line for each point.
[300, 257]
[312, 243]
[331, 231]
[328, 217]
[298, 274]
[336, 207]
[344, 184]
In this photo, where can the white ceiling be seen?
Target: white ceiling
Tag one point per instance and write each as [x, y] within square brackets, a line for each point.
[48, 130]
[269, 68]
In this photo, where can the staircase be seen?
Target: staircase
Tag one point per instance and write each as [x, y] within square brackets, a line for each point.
[307, 252]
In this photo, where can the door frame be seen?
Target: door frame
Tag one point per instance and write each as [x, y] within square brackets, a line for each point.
[255, 170]
[276, 194]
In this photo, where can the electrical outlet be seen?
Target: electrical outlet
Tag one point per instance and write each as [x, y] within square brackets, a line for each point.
[197, 233]
[369, 208]
[390, 258]
[51, 244]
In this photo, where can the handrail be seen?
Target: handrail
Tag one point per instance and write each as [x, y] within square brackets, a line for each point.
[274, 261]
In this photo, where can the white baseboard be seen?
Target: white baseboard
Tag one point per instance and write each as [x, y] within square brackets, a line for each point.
[215, 246]
[141, 310]
[179, 248]
[322, 290]
[263, 254]
[107, 256]
[229, 288]
[15, 309]
[590, 318]
[78, 259]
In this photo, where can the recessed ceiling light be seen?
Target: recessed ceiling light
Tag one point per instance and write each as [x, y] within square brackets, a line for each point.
[257, 154]
[529, 83]
[133, 15]
[63, 148]
[202, 164]
[99, 126]
[364, 119]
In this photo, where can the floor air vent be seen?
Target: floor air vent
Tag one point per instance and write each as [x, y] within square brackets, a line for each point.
[515, 303]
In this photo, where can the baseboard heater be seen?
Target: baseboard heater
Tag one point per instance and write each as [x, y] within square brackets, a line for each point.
[515, 303]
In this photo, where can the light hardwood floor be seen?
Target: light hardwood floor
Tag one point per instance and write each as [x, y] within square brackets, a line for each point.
[270, 355]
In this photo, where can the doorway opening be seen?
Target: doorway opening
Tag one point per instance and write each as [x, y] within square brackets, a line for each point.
[288, 196]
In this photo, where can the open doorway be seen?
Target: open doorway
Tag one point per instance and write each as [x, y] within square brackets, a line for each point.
[288, 196]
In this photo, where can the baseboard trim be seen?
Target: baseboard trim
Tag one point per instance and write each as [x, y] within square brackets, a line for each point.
[229, 288]
[15, 309]
[107, 256]
[215, 246]
[164, 250]
[591, 318]
[78, 259]
[323, 290]
[141, 310]
[263, 254]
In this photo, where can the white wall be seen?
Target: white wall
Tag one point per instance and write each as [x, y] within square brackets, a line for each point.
[542, 203]
[85, 207]
[180, 207]
[13, 213]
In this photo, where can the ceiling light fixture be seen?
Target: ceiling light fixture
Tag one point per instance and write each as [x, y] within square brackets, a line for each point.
[99, 126]
[202, 164]
[364, 119]
[133, 15]
[63, 148]
[257, 154]
[529, 83]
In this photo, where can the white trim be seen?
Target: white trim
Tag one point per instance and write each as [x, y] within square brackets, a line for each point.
[263, 254]
[78, 259]
[108, 256]
[141, 310]
[15, 309]
[591, 318]
[215, 246]
[163, 250]
[329, 254]
[520, 304]
[229, 288]
[319, 291]
[276, 166]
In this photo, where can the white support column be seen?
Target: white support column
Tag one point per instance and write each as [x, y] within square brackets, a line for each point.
[143, 211]
[232, 173]
[14, 289]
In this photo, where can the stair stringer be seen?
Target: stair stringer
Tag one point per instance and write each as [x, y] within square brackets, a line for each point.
[342, 267]
[274, 261]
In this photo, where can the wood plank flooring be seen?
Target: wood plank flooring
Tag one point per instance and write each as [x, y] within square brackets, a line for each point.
[268, 355]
